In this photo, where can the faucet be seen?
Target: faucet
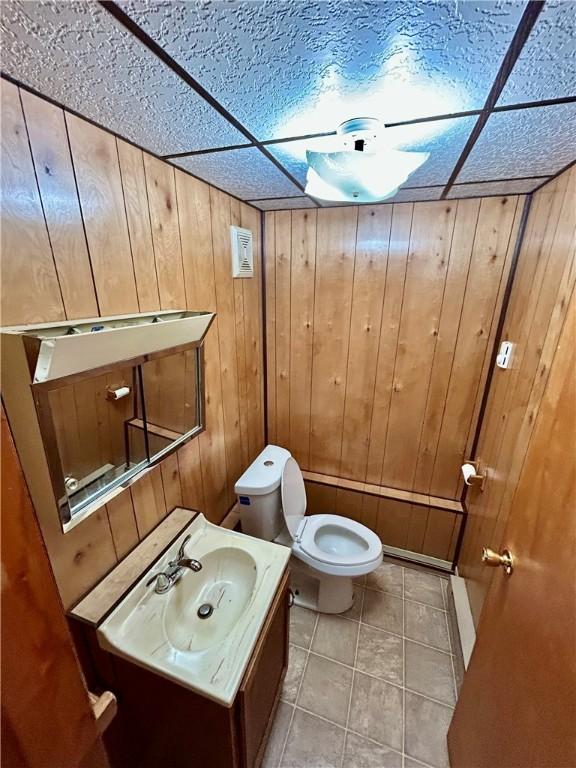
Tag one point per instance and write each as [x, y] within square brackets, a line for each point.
[165, 580]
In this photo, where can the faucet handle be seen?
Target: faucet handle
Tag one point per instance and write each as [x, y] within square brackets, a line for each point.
[181, 550]
[161, 582]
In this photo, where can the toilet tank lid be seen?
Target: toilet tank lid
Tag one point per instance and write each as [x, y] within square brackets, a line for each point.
[264, 474]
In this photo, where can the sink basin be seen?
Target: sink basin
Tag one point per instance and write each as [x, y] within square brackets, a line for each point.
[225, 583]
[201, 633]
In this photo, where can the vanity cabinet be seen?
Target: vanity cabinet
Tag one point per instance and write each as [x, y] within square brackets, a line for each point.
[163, 725]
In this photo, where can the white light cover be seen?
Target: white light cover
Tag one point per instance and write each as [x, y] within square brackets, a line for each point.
[359, 177]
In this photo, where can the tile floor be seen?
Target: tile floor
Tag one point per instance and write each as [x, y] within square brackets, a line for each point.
[372, 688]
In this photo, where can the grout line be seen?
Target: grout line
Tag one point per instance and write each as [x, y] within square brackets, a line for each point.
[362, 593]
[298, 690]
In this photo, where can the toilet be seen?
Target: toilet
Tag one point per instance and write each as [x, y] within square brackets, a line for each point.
[329, 551]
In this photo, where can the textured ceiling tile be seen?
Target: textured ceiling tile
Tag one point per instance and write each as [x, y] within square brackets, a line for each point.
[283, 203]
[414, 195]
[402, 196]
[292, 68]
[546, 68]
[443, 139]
[527, 142]
[246, 173]
[515, 187]
[77, 54]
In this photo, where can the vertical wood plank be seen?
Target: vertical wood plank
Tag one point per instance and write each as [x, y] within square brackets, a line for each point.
[190, 471]
[170, 471]
[320, 499]
[372, 240]
[283, 348]
[302, 274]
[139, 228]
[253, 322]
[270, 280]
[51, 155]
[95, 159]
[209, 491]
[26, 253]
[335, 251]
[391, 312]
[239, 313]
[165, 232]
[122, 521]
[393, 522]
[430, 241]
[148, 500]
[220, 207]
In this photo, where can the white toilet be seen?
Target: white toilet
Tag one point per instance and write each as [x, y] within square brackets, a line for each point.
[329, 550]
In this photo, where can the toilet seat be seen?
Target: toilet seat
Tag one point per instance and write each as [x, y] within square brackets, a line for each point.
[328, 543]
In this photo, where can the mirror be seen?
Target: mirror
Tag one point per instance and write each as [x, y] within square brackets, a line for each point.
[171, 398]
[107, 428]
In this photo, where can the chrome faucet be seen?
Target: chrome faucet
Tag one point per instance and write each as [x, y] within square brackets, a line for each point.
[165, 580]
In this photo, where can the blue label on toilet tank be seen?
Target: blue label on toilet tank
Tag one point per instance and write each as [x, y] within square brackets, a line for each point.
[244, 500]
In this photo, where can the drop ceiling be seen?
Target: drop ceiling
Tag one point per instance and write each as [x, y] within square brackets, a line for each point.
[235, 92]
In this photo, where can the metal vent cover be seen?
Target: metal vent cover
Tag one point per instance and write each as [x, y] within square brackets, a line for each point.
[242, 258]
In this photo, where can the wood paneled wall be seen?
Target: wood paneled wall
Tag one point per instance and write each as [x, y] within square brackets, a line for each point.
[542, 288]
[380, 323]
[94, 226]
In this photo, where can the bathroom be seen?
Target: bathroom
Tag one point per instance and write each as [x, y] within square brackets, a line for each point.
[288, 384]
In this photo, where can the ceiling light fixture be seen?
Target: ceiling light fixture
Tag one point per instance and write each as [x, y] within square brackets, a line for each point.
[362, 168]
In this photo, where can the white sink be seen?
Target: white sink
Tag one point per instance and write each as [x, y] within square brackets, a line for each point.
[165, 634]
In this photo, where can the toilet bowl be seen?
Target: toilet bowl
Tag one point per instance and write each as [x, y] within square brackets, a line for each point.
[329, 550]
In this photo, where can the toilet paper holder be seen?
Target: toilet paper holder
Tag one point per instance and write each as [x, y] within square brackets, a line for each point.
[477, 479]
[117, 393]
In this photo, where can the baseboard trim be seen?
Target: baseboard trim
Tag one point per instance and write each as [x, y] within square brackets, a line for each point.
[466, 628]
[417, 557]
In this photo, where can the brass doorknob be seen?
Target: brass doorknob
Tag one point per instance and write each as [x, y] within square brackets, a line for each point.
[493, 559]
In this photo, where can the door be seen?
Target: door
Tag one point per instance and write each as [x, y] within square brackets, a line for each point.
[517, 707]
[47, 721]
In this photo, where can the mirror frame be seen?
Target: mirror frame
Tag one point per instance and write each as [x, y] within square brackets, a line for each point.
[41, 394]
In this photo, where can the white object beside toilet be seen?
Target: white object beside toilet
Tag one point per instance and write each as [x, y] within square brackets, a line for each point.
[329, 550]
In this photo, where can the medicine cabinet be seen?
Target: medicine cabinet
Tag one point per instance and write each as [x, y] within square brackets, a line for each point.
[111, 398]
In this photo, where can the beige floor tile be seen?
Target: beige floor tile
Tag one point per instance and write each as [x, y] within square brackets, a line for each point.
[426, 624]
[302, 623]
[376, 710]
[277, 735]
[387, 578]
[325, 689]
[382, 610]
[362, 753]
[356, 609]
[335, 637]
[313, 743]
[429, 672]
[296, 664]
[423, 587]
[380, 654]
[425, 731]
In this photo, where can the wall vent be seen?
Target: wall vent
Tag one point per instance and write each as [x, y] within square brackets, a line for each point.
[242, 261]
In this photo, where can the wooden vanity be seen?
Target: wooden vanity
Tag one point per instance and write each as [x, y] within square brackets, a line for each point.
[161, 723]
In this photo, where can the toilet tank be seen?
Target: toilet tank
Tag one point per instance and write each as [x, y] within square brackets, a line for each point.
[259, 494]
